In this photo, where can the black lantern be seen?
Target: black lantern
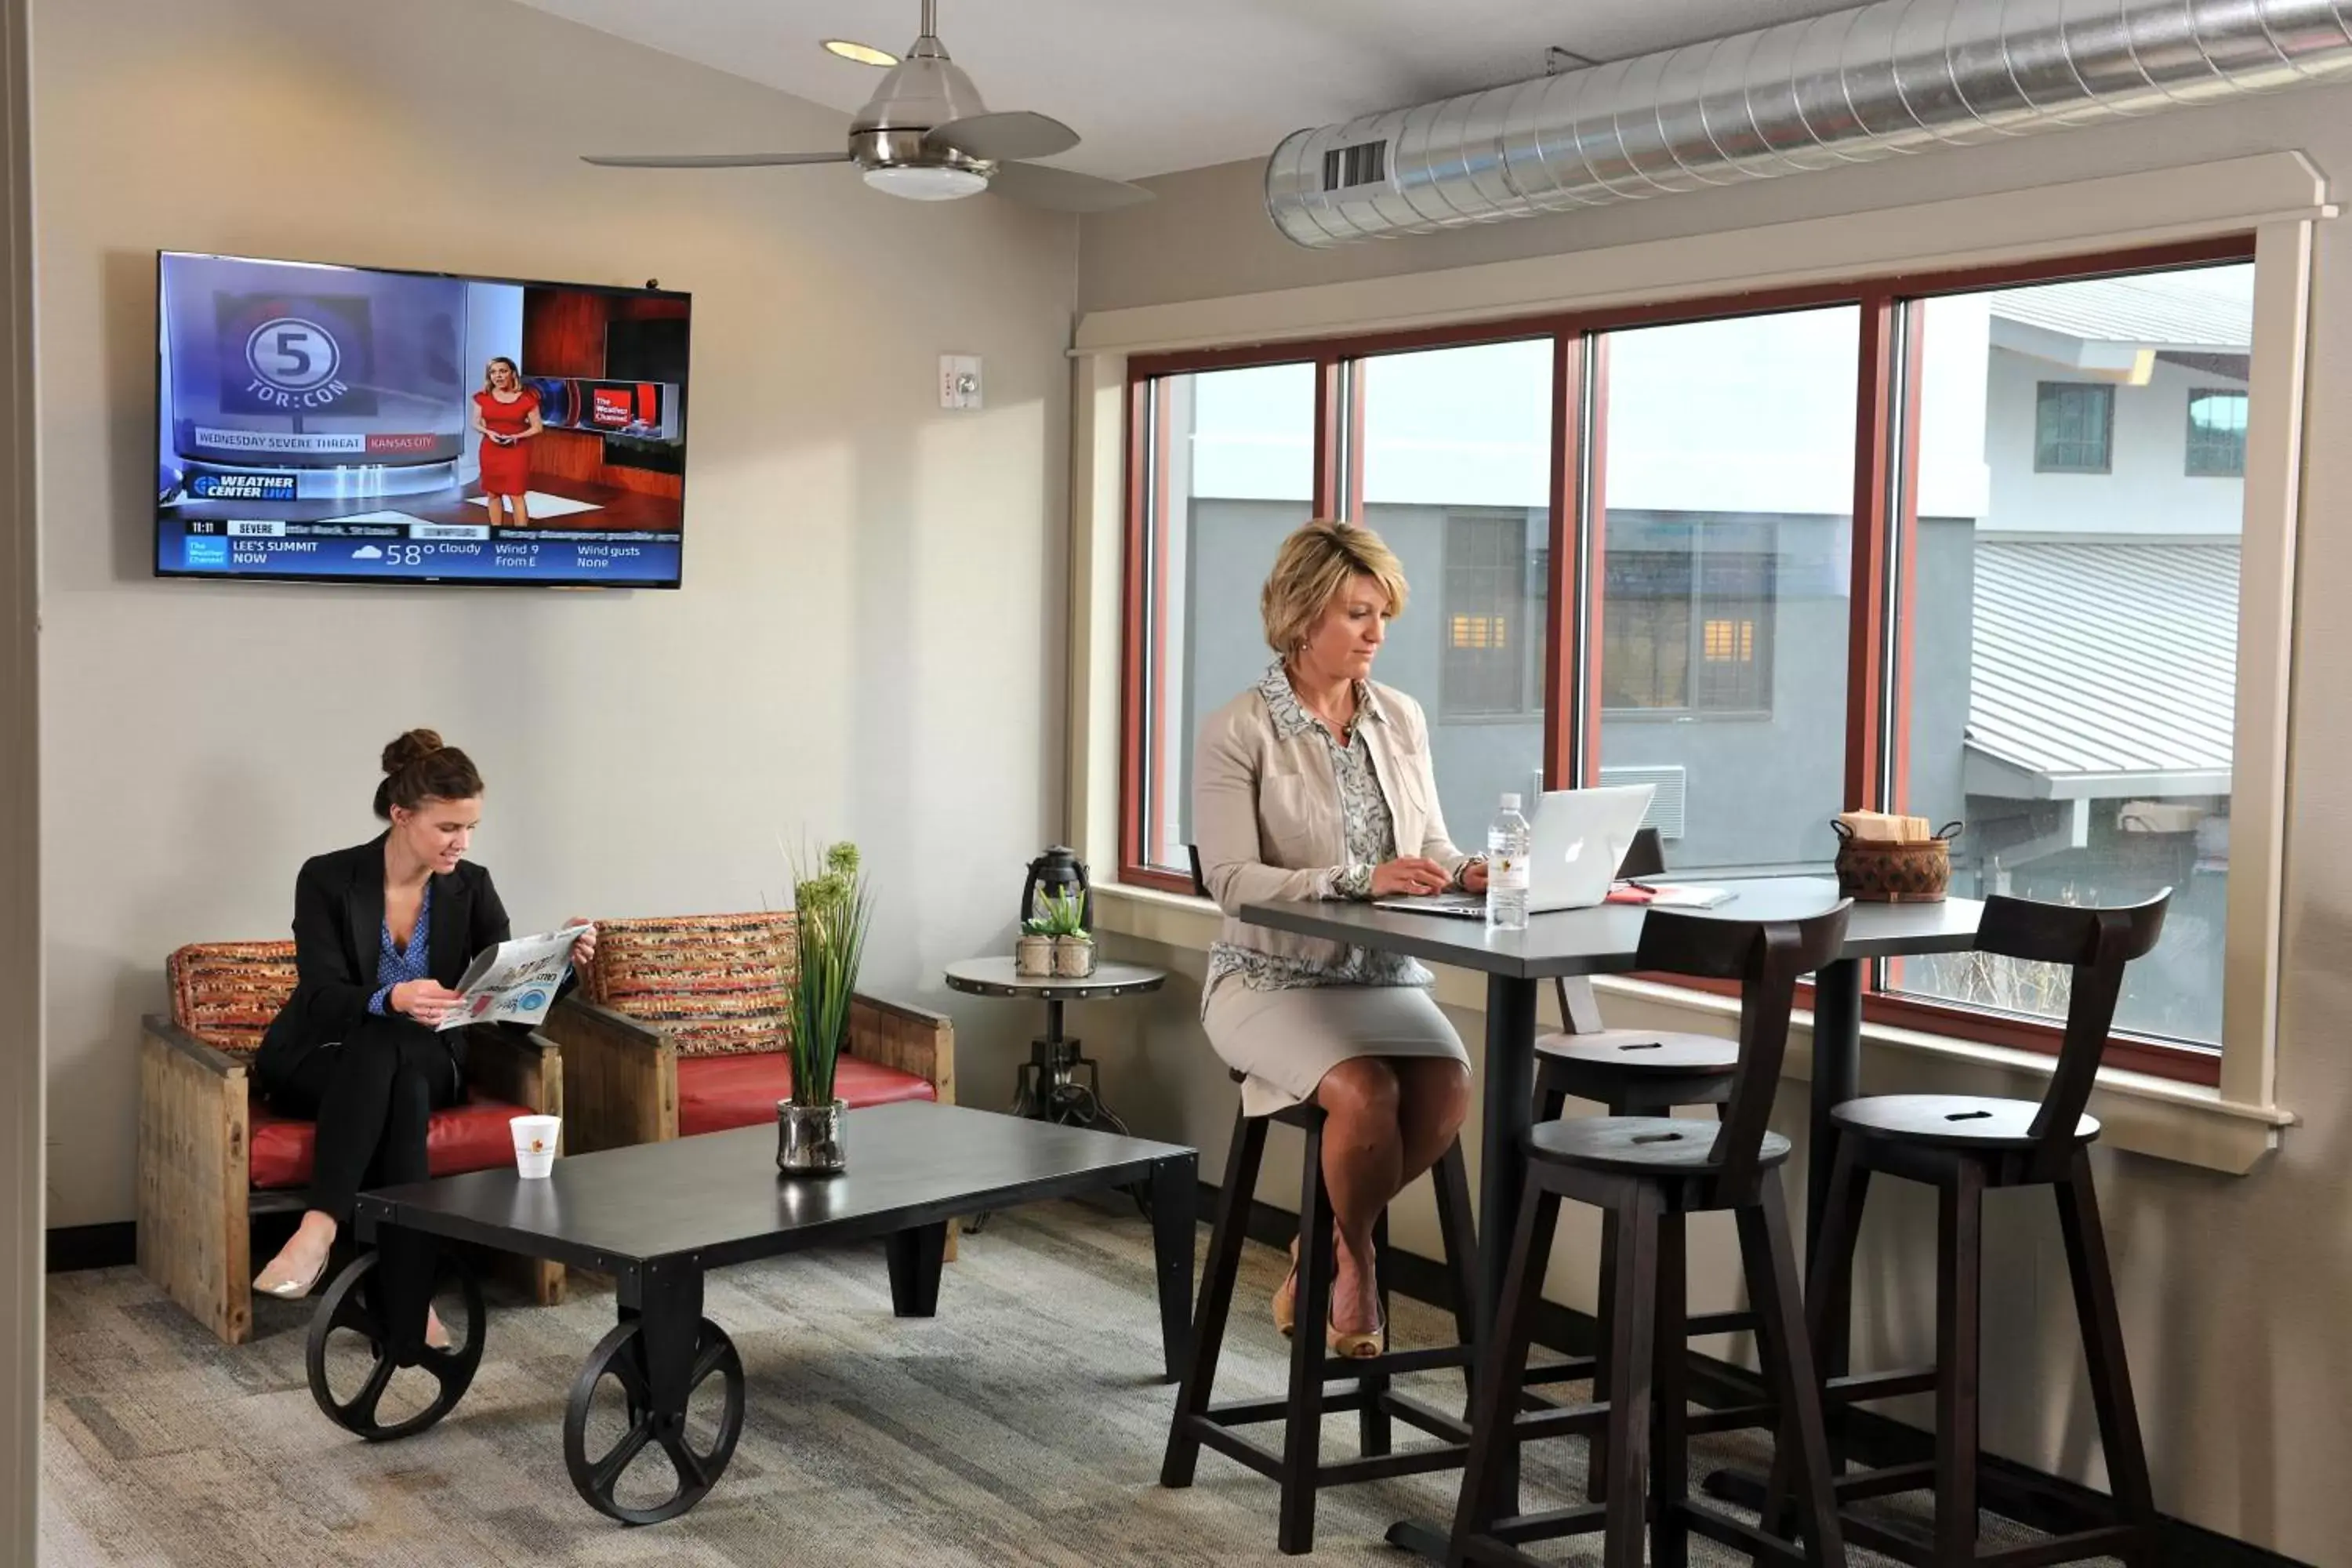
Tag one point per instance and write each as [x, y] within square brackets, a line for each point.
[1058, 871]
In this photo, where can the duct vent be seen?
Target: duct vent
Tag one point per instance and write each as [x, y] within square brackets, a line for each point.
[1876, 81]
[1365, 163]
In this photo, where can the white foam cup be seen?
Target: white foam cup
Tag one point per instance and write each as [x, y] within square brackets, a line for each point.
[534, 1141]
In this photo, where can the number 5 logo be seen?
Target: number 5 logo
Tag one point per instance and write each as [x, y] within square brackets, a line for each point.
[293, 354]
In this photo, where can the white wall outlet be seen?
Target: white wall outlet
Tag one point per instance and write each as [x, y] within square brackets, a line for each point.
[958, 381]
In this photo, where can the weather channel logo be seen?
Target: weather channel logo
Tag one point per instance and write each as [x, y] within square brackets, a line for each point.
[242, 487]
[197, 552]
[294, 362]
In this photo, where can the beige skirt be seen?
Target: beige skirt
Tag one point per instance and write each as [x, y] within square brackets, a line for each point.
[1286, 1040]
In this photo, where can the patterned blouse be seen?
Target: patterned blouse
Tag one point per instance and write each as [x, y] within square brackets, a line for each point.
[394, 967]
[1371, 841]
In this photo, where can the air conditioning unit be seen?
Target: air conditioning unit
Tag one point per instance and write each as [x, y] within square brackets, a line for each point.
[1670, 785]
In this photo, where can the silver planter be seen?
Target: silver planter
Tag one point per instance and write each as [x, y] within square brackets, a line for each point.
[812, 1140]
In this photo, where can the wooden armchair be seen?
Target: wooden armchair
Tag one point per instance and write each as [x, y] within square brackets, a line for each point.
[211, 1155]
[680, 1029]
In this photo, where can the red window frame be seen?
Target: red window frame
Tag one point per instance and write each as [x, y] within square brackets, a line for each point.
[1886, 522]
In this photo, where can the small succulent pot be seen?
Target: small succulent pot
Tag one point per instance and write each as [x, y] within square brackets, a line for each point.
[1074, 957]
[812, 1140]
[1032, 956]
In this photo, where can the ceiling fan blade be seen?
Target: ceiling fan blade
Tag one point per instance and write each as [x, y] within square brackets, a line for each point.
[1016, 133]
[1064, 189]
[719, 161]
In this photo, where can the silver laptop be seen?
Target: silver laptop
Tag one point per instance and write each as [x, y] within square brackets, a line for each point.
[1579, 838]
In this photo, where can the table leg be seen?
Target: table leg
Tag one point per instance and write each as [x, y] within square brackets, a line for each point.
[1503, 1160]
[1837, 1078]
[915, 1254]
[1509, 1113]
[669, 1310]
[1175, 1188]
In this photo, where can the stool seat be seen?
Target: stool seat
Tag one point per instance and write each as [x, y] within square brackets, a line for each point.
[1662, 1051]
[1950, 1121]
[1648, 1145]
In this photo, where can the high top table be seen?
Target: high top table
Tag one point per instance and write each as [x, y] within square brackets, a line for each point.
[1601, 940]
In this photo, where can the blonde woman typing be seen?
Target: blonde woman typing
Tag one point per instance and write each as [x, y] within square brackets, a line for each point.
[1316, 783]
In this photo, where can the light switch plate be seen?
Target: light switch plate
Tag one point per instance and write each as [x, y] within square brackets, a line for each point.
[958, 381]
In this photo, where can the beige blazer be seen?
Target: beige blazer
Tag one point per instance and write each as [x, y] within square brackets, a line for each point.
[1267, 817]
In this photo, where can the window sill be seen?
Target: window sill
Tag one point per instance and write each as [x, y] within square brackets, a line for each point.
[2142, 1115]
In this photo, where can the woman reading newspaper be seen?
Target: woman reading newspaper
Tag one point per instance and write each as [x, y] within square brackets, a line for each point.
[382, 932]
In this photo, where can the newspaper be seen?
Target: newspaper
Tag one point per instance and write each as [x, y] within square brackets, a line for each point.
[515, 981]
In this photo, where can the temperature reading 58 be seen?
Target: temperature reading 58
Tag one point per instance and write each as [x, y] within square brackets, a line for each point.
[406, 554]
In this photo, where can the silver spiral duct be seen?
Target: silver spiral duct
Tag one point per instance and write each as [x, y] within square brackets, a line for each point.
[1900, 76]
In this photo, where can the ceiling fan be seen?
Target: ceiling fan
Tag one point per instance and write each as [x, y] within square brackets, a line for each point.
[926, 135]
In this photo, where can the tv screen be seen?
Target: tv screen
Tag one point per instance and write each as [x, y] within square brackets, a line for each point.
[350, 424]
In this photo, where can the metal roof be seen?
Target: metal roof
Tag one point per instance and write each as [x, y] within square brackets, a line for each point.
[2213, 311]
[2102, 669]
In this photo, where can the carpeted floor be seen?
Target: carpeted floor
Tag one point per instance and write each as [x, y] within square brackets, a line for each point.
[1023, 1425]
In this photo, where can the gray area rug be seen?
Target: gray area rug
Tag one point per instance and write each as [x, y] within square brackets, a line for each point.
[1023, 1425]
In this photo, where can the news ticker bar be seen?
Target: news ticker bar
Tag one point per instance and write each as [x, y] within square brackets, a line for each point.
[568, 558]
[233, 528]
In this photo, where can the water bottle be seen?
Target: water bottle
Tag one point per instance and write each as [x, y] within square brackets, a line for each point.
[1507, 869]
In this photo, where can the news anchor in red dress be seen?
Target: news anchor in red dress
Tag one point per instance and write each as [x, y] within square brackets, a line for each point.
[506, 413]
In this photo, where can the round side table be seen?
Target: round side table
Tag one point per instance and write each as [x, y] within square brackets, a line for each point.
[1047, 1087]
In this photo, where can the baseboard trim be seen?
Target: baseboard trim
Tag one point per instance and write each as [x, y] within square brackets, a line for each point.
[73, 1247]
[2033, 1499]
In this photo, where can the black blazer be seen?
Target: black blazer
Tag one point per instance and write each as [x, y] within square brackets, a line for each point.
[338, 940]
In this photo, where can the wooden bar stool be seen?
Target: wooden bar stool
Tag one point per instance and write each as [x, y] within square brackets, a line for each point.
[1962, 1146]
[1299, 1468]
[1651, 1172]
[1630, 1072]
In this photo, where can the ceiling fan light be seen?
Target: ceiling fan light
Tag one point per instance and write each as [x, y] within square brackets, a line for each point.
[864, 54]
[922, 184]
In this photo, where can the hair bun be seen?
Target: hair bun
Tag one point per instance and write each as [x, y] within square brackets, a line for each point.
[412, 747]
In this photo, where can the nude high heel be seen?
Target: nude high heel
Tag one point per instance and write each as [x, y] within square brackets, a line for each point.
[1286, 1296]
[1354, 1346]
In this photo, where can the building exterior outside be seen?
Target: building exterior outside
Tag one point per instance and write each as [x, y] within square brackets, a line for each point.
[2073, 603]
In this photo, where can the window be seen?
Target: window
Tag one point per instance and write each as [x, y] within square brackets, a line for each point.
[1229, 468]
[2074, 665]
[2217, 434]
[1704, 607]
[1454, 471]
[2072, 426]
[1778, 564]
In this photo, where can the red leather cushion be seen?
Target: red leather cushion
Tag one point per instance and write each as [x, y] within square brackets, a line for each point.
[470, 1137]
[715, 1093]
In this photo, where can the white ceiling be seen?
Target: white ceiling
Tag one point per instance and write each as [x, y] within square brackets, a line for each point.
[1159, 85]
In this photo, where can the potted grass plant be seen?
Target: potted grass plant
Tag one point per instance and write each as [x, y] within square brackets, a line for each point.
[835, 907]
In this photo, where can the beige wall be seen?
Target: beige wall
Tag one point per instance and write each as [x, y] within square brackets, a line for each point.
[2236, 1290]
[869, 633]
[20, 885]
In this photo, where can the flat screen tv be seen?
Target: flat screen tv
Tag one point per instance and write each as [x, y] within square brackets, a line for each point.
[329, 424]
